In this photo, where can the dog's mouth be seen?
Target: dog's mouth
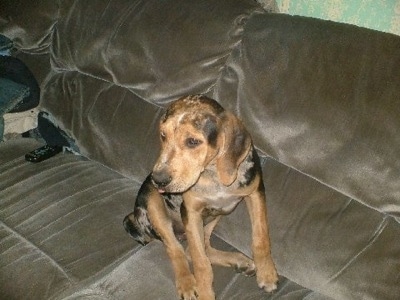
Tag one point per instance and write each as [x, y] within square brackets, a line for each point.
[164, 182]
[161, 187]
[170, 188]
[163, 190]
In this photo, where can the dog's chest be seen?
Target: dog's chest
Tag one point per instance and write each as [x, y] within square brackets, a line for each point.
[221, 199]
[218, 199]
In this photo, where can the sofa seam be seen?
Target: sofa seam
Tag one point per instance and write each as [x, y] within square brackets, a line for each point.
[235, 46]
[327, 185]
[52, 260]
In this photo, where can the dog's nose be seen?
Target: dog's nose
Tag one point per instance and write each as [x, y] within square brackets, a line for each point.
[161, 178]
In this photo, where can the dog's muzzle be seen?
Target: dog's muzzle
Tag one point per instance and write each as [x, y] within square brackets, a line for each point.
[161, 179]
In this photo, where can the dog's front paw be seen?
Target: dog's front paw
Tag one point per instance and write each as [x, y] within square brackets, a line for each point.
[267, 277]
[186, 287]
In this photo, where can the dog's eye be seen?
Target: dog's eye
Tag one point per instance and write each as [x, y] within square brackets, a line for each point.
[192, 142]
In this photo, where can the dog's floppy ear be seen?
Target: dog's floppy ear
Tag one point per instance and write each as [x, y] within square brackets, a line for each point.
[236, 143]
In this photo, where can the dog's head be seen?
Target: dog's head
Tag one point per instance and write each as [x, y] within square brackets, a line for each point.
[196, 131]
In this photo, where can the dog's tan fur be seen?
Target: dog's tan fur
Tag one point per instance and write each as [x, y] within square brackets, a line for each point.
[207, 156]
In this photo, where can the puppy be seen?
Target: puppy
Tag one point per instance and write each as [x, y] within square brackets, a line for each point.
[206, 166]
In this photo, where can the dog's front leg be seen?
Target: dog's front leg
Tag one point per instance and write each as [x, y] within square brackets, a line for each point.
[267, 276]
[203, 273]
[184, 279]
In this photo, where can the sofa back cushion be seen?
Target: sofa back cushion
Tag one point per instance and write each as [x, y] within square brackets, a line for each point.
[108, 123]
[324, 98]
[29, 24]
[117, 64]
[158, 49]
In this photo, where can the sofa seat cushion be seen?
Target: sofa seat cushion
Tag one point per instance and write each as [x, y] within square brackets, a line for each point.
[61, 233]
[61, 236]
[147, 274]
[60, 221]
[322, 239]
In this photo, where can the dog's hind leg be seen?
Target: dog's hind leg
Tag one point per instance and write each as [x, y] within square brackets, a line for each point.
[240, 262]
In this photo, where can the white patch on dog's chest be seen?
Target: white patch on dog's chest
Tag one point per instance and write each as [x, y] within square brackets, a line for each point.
[221, 199]
[217, 196]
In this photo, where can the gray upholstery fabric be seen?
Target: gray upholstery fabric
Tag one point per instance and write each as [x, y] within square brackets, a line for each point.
[29, 24]
[316, 228]
[132, 51]
[321, 100]
[62, 236]
[60, 222]
[115, 120]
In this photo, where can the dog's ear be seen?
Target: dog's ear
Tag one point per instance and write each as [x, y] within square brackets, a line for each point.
[235, 145]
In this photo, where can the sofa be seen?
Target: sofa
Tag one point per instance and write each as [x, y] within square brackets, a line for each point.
[320, 99]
